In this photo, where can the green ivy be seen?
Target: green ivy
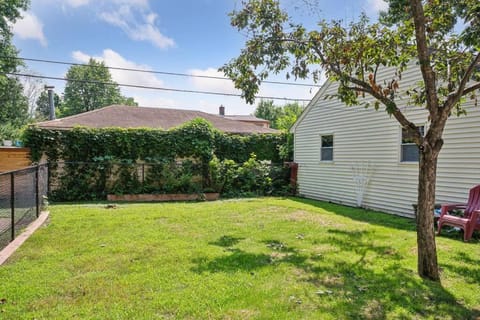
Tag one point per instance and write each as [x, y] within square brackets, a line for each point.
[95, 162]
[196, 139]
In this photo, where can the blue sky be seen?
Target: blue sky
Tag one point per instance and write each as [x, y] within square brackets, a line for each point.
[181, 36]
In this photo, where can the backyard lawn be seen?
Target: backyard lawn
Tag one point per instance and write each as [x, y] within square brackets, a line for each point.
[267, 258]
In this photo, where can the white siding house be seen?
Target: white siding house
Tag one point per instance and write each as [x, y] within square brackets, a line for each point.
[367, 136]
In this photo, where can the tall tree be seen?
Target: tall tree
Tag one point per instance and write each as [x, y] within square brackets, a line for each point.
[13, 105]
[90, 87]
[290, 114]
[280, 117]
[267, 110]
[411, 31]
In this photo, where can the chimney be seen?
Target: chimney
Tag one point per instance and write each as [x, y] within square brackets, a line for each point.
[221, 110]
[51, 103]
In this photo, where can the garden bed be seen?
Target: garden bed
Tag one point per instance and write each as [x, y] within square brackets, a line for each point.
[164, 197]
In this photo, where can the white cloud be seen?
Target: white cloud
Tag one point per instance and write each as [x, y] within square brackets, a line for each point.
[208, 84]
[80, 56]
[80, 3]
[138, 22]
[30, 27]
[112, 58]
[134, 17]
[266, 89]
[376, 5]
[77, 3]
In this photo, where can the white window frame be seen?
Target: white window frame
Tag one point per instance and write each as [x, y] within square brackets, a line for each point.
[332, 147]
[401, 144]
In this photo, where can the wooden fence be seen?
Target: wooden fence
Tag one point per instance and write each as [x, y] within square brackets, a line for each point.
[14, 158]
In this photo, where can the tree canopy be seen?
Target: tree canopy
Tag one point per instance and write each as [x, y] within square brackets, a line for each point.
[91, 87]
[280, 117]
[9, 12]
[440, 38]
[13, 104]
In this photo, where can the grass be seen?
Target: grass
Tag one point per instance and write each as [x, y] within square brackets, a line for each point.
[240, 259]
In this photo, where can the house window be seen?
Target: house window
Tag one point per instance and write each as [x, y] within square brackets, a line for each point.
[326, 150]
[409, 150]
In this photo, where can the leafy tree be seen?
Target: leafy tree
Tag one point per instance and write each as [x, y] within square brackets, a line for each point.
[290, 113]
[268, 111]
[42, 111]
[281, 118]
[411, 31]
[9, 12]
[91, 87]
[128, 101]
[13, 105]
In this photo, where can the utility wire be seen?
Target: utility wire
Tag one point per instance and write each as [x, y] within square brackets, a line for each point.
[149, 87]
[158, 72]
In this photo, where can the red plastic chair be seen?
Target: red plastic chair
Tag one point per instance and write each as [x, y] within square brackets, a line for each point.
[470, 220]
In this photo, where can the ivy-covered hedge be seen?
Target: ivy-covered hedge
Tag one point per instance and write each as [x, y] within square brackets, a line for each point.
[196, 139]
[87, 164]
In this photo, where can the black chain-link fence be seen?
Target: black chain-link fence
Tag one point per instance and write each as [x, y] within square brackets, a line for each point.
[22, 195]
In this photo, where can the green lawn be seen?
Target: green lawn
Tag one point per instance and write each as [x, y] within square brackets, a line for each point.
[266, 258]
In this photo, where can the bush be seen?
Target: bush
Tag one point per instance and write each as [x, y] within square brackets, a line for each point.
[252, 178]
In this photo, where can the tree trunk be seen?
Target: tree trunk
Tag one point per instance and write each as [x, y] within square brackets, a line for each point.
[427, 252]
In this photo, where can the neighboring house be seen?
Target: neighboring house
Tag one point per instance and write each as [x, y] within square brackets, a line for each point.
[244, 118]
[250, 119]
[332, 139]
[139, 117]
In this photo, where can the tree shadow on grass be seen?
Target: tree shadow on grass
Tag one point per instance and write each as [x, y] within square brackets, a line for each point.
[469, 270]
[350, 288]
[236, 260]
[354, 240]
[226, 241]
[363, 215]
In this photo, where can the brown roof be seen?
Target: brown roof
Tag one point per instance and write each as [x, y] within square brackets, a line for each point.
[138, 117]
[246, 118]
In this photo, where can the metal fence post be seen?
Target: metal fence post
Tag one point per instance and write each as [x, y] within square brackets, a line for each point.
[48, 178]
[12, 203]
[37, 201]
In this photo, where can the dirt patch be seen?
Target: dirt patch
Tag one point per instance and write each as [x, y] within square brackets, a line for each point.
[373, 310]
[333, 281]
[242, 314]
[276, 256]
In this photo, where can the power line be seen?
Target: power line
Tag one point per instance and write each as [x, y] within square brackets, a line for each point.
[158, 72]
[149, 87]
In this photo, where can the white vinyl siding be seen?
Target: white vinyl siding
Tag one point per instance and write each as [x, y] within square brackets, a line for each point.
[366, 135]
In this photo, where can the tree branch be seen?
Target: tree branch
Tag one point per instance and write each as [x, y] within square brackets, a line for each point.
[365, 87]
[424, 57]
[461, 91]
[404, 122]
[471, 89]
